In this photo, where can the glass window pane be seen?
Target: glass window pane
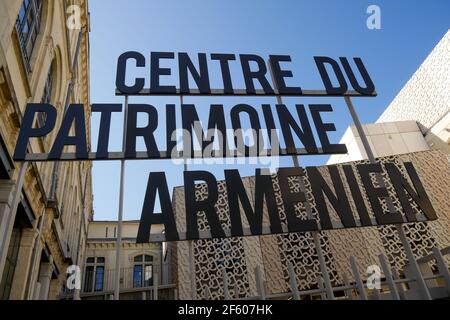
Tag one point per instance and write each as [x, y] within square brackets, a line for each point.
[90, 260]
[99, 273]
[25, 30]
[21, 13]
[88, 277]
[148, 276]
[137, 276]
[138, 259]
[27, 26]
[148, 258]
[100, 259]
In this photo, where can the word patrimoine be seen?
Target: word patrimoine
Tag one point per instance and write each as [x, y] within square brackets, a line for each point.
[264, 134]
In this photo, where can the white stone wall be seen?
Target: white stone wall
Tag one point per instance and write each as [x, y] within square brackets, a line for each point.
[385, 139]
[426, 96]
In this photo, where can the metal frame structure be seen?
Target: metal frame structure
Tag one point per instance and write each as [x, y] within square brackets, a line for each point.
[329, 290]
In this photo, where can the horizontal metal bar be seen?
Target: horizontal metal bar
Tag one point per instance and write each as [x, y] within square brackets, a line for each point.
[430, 256]
[342, 288]
[405, 280]
[164, 155]
[435, 276]
[243, 92]
[283, 294]
[206, 234]
[125, 290]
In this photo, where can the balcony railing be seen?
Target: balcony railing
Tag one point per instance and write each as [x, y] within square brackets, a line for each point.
[100, 285]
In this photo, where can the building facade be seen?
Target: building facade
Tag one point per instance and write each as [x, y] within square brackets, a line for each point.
[44, 207]
[144, 266]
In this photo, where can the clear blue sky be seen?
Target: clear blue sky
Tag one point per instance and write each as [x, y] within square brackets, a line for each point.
[301, 29]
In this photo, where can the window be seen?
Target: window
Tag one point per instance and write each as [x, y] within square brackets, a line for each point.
[99, 277]
[143, 271]
[47, 95]
[88, 276]
[94, 275]
[27, 25]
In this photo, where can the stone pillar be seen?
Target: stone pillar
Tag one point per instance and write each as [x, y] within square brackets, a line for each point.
[6, 219]
[32, 286]
[37, 288]
[45, 276]
[55, 288]
[23, 269]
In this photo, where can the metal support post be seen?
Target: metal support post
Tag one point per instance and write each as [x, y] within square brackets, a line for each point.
[120, 215]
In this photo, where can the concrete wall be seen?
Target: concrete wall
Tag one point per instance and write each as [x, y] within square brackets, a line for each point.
[385, 139]
[426, 96]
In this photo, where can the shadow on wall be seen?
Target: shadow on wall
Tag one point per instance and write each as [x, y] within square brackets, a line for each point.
[437, 143]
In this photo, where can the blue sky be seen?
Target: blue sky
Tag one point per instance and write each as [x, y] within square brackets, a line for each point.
[301, 29]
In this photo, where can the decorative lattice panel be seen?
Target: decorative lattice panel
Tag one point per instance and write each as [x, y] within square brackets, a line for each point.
[425, 98]
[272, 253]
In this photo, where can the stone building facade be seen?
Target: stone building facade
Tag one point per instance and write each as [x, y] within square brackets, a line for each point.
[143, 265]
[44, 207]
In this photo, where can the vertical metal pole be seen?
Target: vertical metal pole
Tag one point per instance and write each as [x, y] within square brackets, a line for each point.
[366, 145]
[358, 280]
[421, 284]
[293, 281]
[207, 293]
[376, 294]
[323, 295]
[348, 292]
[226, 292]
[190, 242]
[400, 290]
[401, 233]
[323, 266]
[260, 283]
[442, 267]
[120, 216]
[389, 278]
[76, 292]
[32, 269]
